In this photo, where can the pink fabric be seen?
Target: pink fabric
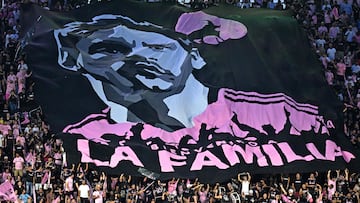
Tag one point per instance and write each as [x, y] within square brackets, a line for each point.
[322, 30]
[333, 32]
[19, 163]
[172, 187]
[195, 21]
[324, 60]
[314, 19]
[335, 13]
[21, 76]
[341, 68]
[256, 110]
[113, 183]
[7, 192]
[30, 158]
[331, 191]
[69, 182]
[329, 77]
[10, 85]
[57, 157]
[16, 130]
[285, 198]
[5, 129]
[202, 196]
[21, 140]
[45, 178]
[327, 18]
[47, 147]
[5, 176]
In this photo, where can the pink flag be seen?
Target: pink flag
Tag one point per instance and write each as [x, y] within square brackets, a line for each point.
[45, 178]
[56, 200]
[30, 158]
[285, 198]
[26, 118]
[7, 192]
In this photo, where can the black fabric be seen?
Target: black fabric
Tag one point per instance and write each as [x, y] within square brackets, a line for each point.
[273, 57]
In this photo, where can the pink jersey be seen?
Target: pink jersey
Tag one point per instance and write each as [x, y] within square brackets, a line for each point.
[19, 163]
[10, 85]
[69, 184]
[21, 76]
[172, 187]
[202, 196]
[341, 68]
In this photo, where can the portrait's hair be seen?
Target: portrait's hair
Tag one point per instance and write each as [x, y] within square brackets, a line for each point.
[68, 36]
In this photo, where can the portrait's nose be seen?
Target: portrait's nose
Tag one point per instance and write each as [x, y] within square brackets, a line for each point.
[154, 57]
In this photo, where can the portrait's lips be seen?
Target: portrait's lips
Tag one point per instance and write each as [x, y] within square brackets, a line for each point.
[147, 68]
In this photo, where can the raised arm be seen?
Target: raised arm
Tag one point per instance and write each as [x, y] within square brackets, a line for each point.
[347, 174]
[319, 198]
[239, 177]
[337, 173]
[249, 176]
[283, 189]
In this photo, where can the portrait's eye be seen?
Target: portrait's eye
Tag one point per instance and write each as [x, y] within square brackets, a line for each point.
[110, 47]
[158, 47]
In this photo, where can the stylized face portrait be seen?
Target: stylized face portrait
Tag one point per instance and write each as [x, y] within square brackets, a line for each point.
[128, 63]
[150, 60]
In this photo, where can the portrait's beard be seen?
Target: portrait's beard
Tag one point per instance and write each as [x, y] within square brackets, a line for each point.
[124, 88]
[133, 70]
[126, 85]
[150, 77]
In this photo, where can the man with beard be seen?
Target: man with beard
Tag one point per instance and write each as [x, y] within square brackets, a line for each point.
[135, 68]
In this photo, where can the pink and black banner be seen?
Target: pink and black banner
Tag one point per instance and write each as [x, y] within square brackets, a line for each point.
[7, 192]
[184, 93]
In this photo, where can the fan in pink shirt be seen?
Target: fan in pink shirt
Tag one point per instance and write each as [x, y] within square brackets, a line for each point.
[329, 77]
[16, 130]
[327, 17]
[18, 165]
[334, 31]
[21, 76]
[172, 185]
[10, 84]
[331, 181]
[322, 30]
[5, 175]
[341, 68]
[69, 187]
[203, 194]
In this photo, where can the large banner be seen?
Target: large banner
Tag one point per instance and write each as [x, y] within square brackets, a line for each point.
[184, 93]
[7, 192]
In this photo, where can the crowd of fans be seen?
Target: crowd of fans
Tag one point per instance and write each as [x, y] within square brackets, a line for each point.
[32, 159]
[334, 32]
